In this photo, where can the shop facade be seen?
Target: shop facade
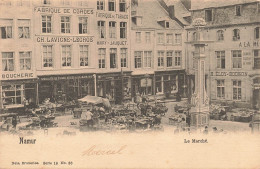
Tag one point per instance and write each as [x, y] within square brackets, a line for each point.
[232, 69]
[63, 88]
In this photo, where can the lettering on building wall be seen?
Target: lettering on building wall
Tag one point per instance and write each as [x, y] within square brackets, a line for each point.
[249, 44]
[229, 73]
[45, 39]
[110, 15]
[118, 43]
[66, 77]
[78, 11]
[17, 75]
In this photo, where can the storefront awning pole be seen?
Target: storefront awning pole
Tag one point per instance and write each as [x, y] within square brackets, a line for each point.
[37, 93]
[1, 102]
[95, 83]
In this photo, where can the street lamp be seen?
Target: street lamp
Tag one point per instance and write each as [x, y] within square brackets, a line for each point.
[200, 102]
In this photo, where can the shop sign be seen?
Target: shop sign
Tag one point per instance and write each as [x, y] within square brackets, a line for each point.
[118, 43]
[60, 10]
[53, 39]
[11, 76]
[66, 77]
[146, 82]
[111, 15]
[247, 60]
[229, 73]
[249, 44]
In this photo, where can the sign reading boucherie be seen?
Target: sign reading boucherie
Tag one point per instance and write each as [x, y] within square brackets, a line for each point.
[60, 10]
[52, 39]
[10, 76]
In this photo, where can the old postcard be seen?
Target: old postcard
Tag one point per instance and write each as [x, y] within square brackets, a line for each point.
[129, 84]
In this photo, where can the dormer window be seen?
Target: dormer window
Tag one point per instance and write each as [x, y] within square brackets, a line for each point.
[164, 23]
[238, 10]
[208, 15]
[46, 2]
[167, 24]
[138, 20]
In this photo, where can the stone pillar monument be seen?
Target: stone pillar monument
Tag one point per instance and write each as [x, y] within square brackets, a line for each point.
[200, 102]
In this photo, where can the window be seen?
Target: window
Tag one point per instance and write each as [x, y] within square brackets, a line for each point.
[100, 5]
[7, 61]
[65, 2]
[6, 2]
[160, 59]
[113, 58]
[236, 34]
[112, 29]
[221, 89]
[101, 29]
[169, 38]
[25, 60]
[147, 59]
[178, 39]
[66, 56]
[122, 30]
[258, 7]
[238, 10]
[111, 5]
[237, 59]
[83, 25]
[237, 91]
[160, 38]
[257, 59]
[167, 24]
[169, 56]
[122, 5]
[6, 28]
[178, 58]
[82, 3]
[47, 56]
[13, 94]
[147, 37]
[65, 24]
[138, 59]
[220, 55]
[123, 57]
[84, 53]
[208, 15]
[23, 3]
[257, 32]
[194, 36]
[138, 37]
[102, 57]
[24, 28]
[220, 35]
[46, 2]
[46, 24]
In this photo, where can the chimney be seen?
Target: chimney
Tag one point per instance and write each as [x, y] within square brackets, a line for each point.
[171, 12]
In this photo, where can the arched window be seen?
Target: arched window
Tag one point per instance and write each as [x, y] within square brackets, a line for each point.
[236, 34]
[220, 35]
[194, 36]
[257, 32]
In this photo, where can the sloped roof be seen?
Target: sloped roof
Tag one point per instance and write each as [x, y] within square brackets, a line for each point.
[151, 12]
[180, 10]
[201, 4]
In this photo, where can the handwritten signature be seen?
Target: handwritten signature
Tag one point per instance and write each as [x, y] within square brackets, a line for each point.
[98, 150]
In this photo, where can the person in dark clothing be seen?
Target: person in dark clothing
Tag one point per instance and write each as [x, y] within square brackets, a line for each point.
[14, 122]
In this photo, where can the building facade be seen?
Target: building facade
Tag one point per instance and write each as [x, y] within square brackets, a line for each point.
[232, 54]
[18, 79]
[157, 47]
